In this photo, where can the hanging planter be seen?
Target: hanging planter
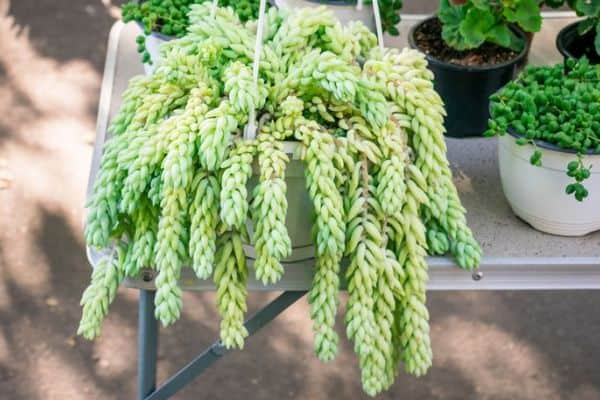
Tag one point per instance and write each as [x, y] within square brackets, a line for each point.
[474, 50]
[299, 206]
[550, 158]
[368, 152]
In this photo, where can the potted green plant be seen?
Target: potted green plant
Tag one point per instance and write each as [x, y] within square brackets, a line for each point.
[172, 187]
[581, 38]
[163, 20]
[474, 47]
[549, 152]
[352, 10]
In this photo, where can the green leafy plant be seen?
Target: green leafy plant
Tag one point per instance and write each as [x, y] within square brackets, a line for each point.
[170, 17]
[390, 15]
[590, 10]
[172, 181]
[467, 24]
[548, 105]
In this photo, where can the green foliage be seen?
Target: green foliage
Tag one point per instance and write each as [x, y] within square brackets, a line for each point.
[470, 24]
[389, 11]
[547, 105]
[172, 191]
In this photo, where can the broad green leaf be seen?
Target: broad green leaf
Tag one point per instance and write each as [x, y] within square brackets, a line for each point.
[500, 34]
[481, 4]
[451, 17]
[526, 14]
[454, 38]
[476, 25]
[588, 8]
[450, 14]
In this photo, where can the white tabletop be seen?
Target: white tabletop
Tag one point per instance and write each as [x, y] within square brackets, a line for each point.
[515, 255]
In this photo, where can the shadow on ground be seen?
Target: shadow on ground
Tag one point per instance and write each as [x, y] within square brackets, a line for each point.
[487, 345]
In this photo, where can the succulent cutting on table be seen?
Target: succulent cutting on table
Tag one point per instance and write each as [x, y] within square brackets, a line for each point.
[172, 188]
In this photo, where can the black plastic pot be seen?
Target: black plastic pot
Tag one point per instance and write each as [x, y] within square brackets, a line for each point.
[465, 90]
[572, 45]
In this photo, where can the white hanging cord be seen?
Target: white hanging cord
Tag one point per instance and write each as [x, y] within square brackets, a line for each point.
[213, 10]
[378, 25]
[250, 131]
[359, 5]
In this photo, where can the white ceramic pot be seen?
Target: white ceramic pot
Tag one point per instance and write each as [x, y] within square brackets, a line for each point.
[153, 43]
[343, 11]
[537, 194]
[299, 219]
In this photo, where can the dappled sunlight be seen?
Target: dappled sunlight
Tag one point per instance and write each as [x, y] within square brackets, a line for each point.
[496, 361]
[463, 182]
[57, 378]
[119, 334]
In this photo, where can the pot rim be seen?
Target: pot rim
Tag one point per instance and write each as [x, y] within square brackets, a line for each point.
[154, 33]
[562, 37]
[484, 68]
[549, 146]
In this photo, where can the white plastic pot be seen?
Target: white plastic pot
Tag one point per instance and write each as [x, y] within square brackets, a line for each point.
[299, 221]
[344, 11]
[537, 194]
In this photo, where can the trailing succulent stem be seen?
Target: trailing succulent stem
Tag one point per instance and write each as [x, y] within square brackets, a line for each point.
[181, 179]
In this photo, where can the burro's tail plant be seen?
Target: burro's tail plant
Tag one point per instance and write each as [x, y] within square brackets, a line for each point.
[172, 192]
[467, 24]
[549, 105]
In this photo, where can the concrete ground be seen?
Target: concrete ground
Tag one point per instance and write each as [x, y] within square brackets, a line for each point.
[487, 345]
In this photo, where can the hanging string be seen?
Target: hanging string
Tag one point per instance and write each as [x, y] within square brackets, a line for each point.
[378, 25]
[250, 131]
[213, 10]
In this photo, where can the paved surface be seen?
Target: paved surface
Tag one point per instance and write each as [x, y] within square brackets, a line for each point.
[487, 345]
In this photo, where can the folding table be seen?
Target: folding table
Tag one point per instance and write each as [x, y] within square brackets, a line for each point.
[516, 256]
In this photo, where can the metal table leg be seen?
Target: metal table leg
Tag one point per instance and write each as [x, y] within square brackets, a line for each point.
[188, 373]
[147, 345]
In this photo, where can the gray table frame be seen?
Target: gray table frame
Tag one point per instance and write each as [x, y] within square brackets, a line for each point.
[501, 273]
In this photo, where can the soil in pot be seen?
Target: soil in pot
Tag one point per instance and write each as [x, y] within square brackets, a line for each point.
[572, 45]
[428, 37]
[466, 79]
